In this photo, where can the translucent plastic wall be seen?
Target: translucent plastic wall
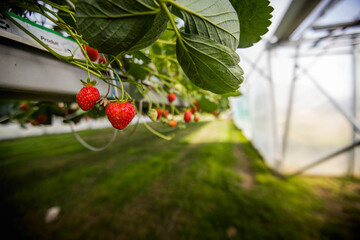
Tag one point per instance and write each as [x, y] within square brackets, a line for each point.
[326, 88]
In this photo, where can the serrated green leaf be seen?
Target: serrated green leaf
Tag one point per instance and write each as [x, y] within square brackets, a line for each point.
[137, 71]
[135, 92]
[207, 104]
[208, 64]
[254, 20]
[215, 19]
[140, 55]
[116, 26]
[232, 94]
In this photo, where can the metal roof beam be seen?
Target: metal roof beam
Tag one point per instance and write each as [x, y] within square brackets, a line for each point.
[294, 16]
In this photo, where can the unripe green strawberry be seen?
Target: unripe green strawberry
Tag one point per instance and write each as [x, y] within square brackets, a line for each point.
[120, 114]
[87, 97]
[153, 114]
[164, 120]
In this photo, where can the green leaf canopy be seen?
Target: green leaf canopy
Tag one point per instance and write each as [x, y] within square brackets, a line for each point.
[215, 19]
[254, 20]
[116, 26]
[208, 64]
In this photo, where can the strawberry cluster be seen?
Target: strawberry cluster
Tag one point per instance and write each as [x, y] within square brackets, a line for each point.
[120, 114]
[156, 114]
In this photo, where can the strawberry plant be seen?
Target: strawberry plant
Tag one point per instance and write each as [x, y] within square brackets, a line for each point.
[177, 48]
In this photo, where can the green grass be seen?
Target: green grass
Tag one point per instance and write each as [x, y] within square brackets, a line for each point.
[144, 187]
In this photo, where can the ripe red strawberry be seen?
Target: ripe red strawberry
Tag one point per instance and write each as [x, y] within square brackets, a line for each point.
[91, 52]
[34, 122]
[193, 110]
[41, 118]
[165, 113]
[102, 60]
[171, 97]
[159, 113]
[172, 123]
[215, 113]
[120, 114]
[24, 107]
[87, 97]
[187, 116]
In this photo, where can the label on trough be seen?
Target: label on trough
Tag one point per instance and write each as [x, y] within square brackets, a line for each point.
[50, 37]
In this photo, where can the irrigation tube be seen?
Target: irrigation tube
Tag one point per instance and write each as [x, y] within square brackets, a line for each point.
[86, 145]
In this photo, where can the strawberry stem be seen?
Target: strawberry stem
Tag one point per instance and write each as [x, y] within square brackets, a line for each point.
[157, 133]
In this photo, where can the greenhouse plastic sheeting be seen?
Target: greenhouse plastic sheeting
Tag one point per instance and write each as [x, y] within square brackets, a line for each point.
[316, 127]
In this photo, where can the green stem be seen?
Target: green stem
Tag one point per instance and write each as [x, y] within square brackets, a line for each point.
[122, 87]
[163, 98]
[149, 70]
[156, 103]
[172, 22]
[60, 7]
[86, 69]
[157, 133]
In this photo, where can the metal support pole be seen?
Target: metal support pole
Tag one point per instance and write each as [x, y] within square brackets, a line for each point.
[338, 107]
[326, 158]
[355, 87]
[289, 109]
[273, 110]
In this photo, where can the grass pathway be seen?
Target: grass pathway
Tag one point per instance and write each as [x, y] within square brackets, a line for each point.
[207, 183]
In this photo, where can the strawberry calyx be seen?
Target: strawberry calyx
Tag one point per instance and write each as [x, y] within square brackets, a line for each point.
[129, 100]
[88, 82]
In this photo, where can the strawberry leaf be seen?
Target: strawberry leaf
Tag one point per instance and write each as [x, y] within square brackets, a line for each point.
[113, 27]
[215, 19]
[208, 64]
[254, 20]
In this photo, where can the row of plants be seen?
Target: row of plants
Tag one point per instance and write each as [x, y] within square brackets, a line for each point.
[180, 48]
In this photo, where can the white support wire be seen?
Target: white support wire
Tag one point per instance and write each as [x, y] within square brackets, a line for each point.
[88, 146]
